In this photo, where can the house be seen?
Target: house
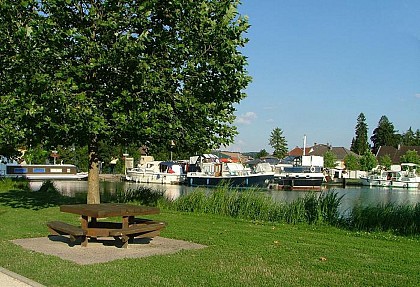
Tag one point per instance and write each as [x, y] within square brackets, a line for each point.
[395, 153]
[320, 150]
[297, 151]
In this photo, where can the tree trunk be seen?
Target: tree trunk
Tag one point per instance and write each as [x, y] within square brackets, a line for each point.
[93, 195]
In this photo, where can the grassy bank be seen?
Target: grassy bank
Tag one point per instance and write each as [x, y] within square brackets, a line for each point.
[240, 252]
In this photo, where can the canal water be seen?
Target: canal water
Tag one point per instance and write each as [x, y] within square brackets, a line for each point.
[352, 195]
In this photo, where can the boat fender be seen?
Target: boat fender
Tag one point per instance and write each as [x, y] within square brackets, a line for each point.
[312, 169]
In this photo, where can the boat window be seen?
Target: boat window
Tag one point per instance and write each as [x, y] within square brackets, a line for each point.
[39, 170]
[20, 170]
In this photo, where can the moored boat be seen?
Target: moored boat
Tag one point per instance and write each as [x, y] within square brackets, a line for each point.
[208, 170]
[392, 179]
[162, 172]
[305, 173]
[41, 171]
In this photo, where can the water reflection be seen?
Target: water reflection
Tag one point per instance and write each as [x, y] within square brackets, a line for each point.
[352, 196]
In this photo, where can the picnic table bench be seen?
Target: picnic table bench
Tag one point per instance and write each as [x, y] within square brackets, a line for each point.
[129, 228]
[63, 228]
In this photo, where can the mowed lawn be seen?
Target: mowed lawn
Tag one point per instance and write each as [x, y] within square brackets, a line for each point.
[239, 253]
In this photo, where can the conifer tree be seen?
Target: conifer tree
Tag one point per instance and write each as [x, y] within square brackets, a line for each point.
[360, 143]
[278, 143]
[384, 135]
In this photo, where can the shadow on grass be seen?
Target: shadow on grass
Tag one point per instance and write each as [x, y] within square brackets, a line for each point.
[35, 199]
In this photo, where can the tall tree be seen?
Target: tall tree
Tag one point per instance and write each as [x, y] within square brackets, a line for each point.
[360, 142]
[417, 137]
[384, 135]
[153, 71]
[408, 138]
[278, 142]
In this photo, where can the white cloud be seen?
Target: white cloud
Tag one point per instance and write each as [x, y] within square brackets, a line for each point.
[246, 118]
[418, 95]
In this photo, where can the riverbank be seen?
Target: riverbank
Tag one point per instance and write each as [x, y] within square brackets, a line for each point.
[239, 253]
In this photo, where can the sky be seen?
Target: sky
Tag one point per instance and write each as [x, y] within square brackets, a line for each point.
[316, 65]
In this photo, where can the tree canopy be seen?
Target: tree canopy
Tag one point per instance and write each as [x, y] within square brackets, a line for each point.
[330, 159]
[368, 161]
[146, 72]
[351, 162]
[411, 156]
[384, 134]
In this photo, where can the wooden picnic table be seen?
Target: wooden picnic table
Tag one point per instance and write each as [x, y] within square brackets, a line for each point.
[128, 228]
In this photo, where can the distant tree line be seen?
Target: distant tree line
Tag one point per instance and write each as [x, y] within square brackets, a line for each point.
[383, 135]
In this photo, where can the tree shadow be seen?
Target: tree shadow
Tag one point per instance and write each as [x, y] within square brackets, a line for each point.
[35, 200]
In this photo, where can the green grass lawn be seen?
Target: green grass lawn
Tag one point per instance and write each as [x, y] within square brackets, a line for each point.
[239, 253]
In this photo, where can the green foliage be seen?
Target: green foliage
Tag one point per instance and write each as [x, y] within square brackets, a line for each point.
[261, 153]
[368, 161]
[351, 162]
[330, 160]
[360, 142]
[278, 142]
[143, 72]
[385, 161]
[385, 135]
[36, 155]
[238, 253]
[84, 65]
[399, 219]
[254, 205]
[411, 138]
[13, 184]
[411, 156]
[140, 195]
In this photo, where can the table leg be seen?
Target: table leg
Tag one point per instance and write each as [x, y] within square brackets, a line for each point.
[125, 221]
[84, 241]
[124, 240]
[84, 221]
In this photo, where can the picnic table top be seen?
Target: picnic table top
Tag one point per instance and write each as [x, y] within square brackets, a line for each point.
[108, 209]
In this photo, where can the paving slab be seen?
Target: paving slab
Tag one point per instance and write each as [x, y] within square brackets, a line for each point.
[11, 279]
[104, 250]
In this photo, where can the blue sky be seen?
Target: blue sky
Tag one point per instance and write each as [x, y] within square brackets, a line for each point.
[316, 65]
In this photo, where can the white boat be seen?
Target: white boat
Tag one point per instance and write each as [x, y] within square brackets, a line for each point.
[209, 170]
[162, 172]
[410, 170]
[378, 179]
[392, 179]
[41, 171]
[305, 173]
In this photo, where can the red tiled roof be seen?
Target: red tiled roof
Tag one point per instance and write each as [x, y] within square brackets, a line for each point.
[297, 151]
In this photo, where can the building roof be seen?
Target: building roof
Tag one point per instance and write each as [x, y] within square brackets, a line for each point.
[321, 149]
[339, 152]
[395, 153]
[297, 151]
